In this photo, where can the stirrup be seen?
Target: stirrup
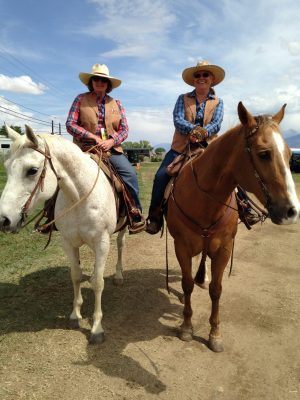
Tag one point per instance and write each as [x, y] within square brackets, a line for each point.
[137, 227]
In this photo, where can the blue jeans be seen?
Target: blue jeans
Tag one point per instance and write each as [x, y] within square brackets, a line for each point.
[128, 175]
[161, 180]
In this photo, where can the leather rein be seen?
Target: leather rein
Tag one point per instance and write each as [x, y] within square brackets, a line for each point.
[40, 185]
[40, 182]
[206, 232]
[263, 186]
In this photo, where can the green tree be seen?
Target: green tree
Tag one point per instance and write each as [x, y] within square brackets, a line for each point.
[16, 128]
[142, 144]
[160, 150]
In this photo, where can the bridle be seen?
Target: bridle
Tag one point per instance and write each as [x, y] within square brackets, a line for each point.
[40, 185]
[262, 184]
[40, 182]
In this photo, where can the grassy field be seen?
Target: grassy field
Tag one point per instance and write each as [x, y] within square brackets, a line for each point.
[20, 252]
[23, 258]
[24, 253]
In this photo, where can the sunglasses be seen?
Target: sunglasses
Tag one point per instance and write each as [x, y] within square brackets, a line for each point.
[99, 79]
[199, 75]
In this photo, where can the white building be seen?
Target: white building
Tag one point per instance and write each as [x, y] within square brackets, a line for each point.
[5, 144]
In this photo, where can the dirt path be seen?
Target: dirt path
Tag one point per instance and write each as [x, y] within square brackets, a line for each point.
[142, 357]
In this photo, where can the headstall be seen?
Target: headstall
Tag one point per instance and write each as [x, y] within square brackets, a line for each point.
[40, 182]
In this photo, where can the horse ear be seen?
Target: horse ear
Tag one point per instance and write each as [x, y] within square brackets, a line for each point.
[11, 133]
[279, 116]
[245, 117]
[31, 136]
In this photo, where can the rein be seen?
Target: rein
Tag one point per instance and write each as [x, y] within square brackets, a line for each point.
[263, 186]
[40, 183]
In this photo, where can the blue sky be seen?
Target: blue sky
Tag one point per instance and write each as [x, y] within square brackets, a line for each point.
[147, 44]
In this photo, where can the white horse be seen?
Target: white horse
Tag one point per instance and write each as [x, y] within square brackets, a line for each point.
[37, 164]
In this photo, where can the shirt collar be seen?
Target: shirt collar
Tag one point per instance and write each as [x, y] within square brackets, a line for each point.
[193, 94]
[96, 96]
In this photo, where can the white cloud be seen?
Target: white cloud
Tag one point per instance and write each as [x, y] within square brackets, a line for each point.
[153, 125]
[21, 84]
[138, 28]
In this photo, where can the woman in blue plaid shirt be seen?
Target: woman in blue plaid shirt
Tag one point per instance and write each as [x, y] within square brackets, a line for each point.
[197, 119]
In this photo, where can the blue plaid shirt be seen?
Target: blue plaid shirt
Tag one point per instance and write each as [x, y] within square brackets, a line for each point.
[184, 126]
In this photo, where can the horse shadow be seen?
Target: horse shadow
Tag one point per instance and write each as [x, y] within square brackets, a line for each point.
[131, 314]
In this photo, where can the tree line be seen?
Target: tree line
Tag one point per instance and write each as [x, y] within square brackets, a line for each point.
[142, 144]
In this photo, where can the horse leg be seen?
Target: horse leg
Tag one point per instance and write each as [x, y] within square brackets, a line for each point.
[218, 265]
[97, 283]
[76, 276]
[187, 282]
[118, 277]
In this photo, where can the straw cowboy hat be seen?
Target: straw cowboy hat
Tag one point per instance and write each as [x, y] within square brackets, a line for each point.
[99, 70]
[217, 72]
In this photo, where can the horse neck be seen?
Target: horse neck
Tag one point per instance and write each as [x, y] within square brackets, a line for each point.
[215, 169]
[76, 171]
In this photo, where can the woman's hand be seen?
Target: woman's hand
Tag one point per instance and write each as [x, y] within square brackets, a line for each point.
[198, 134]
[106, 145]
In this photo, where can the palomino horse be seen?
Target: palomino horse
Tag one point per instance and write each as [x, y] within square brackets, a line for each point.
[201, 214]
[36, 166]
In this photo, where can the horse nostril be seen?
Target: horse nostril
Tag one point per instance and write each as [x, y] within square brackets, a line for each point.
[292, 212]
[5, 222]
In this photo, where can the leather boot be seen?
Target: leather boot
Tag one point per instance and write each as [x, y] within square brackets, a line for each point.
[138, 223]
[154, 221]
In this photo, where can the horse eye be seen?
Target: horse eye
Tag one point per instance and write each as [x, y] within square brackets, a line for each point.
[265, 155]
[32, 171]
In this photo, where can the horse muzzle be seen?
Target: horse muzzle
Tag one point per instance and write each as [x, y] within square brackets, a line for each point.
[7, 226]
[283, 215]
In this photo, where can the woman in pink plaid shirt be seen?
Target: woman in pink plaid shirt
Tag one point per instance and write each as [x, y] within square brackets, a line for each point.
[95, 118]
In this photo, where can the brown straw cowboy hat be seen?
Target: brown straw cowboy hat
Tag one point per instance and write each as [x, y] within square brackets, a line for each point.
[99, 70]
[217, 72]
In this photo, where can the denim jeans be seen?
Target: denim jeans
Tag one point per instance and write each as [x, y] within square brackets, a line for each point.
[128, 175]
[161, 180]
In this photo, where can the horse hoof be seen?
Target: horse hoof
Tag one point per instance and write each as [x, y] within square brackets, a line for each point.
[216, 344]
[97, 338]
[75, 323]
[186, 335]
[118, 282]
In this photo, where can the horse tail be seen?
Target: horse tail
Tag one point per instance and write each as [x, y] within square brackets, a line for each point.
[200, 275]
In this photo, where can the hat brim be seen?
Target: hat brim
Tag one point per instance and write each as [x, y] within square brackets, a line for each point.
[217, 72]
[85, 78]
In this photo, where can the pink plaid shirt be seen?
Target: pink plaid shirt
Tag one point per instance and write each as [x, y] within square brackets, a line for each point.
[79, 132]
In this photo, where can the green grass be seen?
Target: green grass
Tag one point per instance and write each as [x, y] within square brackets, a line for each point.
[2, 176]
[145, 176]
[296, 178]
[24, 252]
[32, 278]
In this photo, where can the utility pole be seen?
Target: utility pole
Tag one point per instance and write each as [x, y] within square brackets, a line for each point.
[52, 133]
